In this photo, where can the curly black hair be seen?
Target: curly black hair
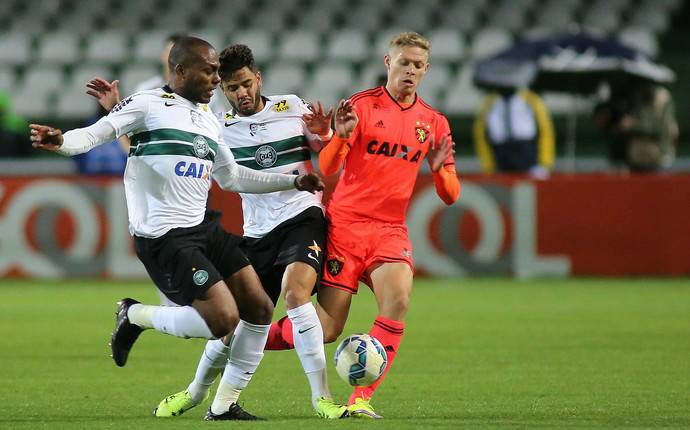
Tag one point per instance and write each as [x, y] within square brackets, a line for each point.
[234, 58]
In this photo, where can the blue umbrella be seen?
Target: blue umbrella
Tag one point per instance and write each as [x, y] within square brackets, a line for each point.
[572, 62]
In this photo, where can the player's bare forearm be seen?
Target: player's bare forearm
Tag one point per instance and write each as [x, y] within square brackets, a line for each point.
[45, 137]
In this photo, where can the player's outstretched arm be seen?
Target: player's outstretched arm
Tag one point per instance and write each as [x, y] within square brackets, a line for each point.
[105, 92]
[46, 137]
[233, 177]
[74, 142]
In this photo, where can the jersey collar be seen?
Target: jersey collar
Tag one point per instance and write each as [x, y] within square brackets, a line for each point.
[396, 102]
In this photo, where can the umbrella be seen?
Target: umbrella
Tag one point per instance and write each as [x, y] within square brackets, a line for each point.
[572, 62]
[576, 63]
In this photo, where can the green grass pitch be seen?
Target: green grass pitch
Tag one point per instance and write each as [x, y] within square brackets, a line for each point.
[488, 353]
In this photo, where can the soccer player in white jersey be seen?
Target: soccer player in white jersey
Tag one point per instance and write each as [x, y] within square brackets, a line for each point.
[177, 145]
[284, 232]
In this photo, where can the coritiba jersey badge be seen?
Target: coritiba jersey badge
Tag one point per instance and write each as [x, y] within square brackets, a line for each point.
[200, 147]
[266, 156]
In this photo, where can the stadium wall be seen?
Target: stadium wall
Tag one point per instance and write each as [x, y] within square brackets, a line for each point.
[609, 225]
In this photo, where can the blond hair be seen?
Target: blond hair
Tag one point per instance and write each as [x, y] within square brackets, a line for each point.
[409, 38]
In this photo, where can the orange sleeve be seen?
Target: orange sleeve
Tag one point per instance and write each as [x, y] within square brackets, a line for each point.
[447, 183]
[332, 155]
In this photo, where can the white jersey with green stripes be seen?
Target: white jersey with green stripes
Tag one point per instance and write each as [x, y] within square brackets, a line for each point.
[273, 140]
[175, 145]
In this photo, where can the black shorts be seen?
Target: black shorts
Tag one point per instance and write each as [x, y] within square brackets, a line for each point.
[185, 262]
[302, 238]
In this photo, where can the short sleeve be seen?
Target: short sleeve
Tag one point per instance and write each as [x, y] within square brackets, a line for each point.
[128, 115]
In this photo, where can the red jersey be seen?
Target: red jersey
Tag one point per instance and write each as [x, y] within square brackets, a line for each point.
[386, 150]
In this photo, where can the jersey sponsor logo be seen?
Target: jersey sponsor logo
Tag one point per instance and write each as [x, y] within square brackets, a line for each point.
[201, 147]
[422, 131]
[124, 102]
[230, 124]
[380, 124]
[168, 104]
[406, 253]
[316, 248]
[282, 106]
[394, 150]
[257, 127]
[335, 264]
[266, 156]
[200, 277]
[193, 170]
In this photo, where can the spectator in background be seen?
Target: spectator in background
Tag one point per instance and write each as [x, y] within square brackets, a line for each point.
[13, 139]
[107, 159]
[513, 132]
[640, 122]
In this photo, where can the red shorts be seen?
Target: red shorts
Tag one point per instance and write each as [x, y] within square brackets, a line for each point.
[353, 247]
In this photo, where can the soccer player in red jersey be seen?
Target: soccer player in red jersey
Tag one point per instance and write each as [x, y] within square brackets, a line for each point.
[382, 136]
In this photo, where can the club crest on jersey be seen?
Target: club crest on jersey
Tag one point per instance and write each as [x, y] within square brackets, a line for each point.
[422, 131]
[266, 156]
[200, 277]
[282, 106]
[200, 147]
[196, 117]
[335, 264]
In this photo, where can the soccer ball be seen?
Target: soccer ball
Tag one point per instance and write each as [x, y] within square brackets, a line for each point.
[360, 360]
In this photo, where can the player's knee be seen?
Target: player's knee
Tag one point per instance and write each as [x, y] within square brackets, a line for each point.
[400, 303]
[296, 294]
[263, 313]
[224, 324]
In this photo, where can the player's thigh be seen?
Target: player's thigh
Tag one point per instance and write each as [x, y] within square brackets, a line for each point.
[298, 283]
[218, 309]
[392, 285]
[333, 309]
[252, 301]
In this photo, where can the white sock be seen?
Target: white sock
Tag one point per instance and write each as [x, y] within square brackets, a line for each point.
[308, 337]
[180, 321]
[141, 315]
[226, 395]
[212, 362]
[246, 352]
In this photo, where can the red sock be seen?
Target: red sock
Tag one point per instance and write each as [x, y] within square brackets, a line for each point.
[389, 333]
[280, 335]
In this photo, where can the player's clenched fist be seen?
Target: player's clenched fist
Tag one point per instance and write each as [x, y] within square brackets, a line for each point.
[310, 182]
